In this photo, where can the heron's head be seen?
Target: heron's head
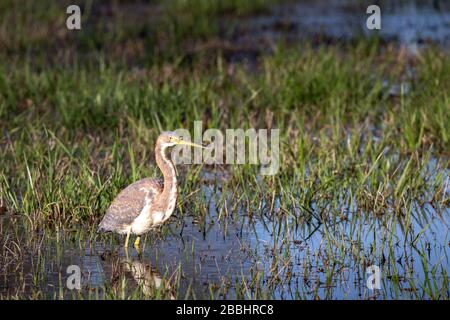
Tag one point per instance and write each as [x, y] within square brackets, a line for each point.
[170, 139]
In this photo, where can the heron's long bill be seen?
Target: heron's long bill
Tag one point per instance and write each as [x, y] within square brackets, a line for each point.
[188, 143]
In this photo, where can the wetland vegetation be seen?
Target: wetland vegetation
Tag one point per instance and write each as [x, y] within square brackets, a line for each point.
[364, 155]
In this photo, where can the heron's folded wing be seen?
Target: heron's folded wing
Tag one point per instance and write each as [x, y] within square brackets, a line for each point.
[129, 203]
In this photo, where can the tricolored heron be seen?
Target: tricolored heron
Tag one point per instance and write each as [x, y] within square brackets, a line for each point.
[147, 203]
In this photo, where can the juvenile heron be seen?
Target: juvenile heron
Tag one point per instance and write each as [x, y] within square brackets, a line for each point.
[147, 203]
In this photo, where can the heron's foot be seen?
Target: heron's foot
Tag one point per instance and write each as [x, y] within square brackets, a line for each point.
[137, 242]
[137, 247]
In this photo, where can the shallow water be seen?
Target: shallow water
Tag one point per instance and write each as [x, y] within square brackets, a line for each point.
[239, 256]
[409, 23]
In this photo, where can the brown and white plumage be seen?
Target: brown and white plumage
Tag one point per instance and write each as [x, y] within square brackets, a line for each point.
[129, 203]
[147, 203]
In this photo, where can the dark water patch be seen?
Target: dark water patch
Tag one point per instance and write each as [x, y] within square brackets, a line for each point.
[411, 24]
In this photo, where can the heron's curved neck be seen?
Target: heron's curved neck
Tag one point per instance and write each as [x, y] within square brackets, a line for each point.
[168, 169]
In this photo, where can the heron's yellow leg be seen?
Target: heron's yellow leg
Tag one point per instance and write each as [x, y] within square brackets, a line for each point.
[136, 243]
[128, 237]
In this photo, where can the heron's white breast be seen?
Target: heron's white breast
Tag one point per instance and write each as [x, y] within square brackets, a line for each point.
[147, 220]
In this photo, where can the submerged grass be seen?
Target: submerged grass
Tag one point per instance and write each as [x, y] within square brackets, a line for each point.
[363, 166]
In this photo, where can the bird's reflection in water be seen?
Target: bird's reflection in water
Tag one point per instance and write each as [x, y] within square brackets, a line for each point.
[148, 278]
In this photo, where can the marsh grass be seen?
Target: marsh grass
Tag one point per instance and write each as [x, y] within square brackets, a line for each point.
[363, 170]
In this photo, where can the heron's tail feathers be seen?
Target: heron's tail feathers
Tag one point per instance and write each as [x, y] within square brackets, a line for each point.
[102, 229]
